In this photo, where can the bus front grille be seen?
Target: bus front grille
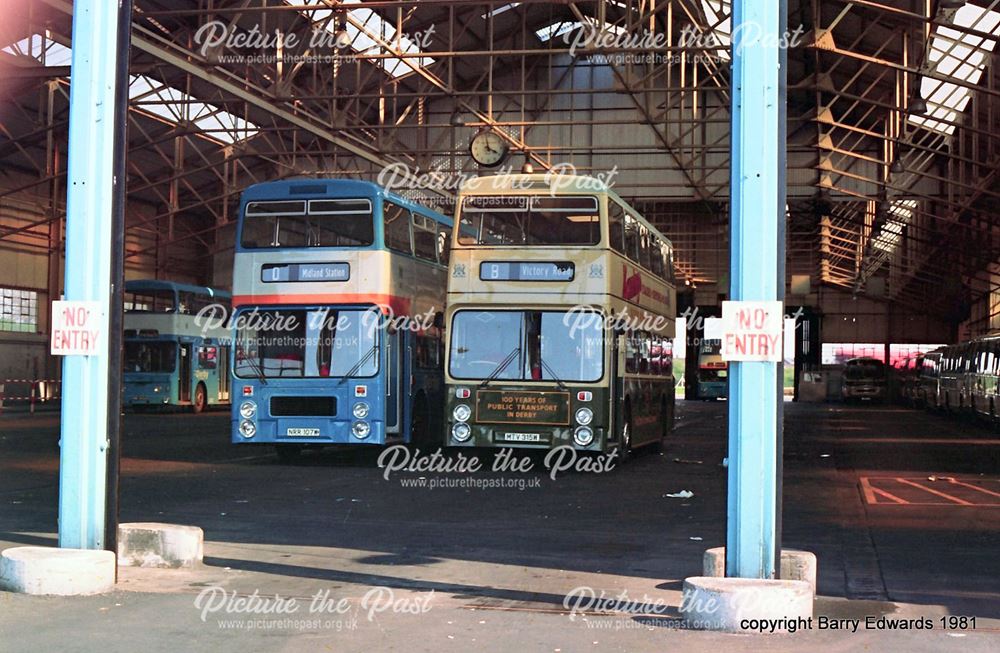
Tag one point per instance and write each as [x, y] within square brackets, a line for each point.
[303, 406]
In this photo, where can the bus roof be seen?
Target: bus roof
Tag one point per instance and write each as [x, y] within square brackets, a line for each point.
[138, 285]
[304, 189]
[534, 182]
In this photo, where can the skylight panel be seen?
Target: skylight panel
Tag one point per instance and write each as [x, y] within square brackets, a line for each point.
[719, 15]
[365, 39]
[43, 49]
[555, 30]
[502, 8]
[151, 97]
[958, 55]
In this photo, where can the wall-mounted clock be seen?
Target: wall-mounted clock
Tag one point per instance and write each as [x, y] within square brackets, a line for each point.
[488, 149]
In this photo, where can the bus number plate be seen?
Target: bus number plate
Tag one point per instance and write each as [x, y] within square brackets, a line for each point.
[302, 433]
[522, 437]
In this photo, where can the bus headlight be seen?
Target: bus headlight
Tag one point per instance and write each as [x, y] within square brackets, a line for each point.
[462, 413]
[360, 410]
[247, 429]
[583, 436]
[584, 416]
[461, 432]
[361, 430]
[248, 409]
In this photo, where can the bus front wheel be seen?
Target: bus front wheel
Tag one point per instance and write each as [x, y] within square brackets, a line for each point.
[200, 399]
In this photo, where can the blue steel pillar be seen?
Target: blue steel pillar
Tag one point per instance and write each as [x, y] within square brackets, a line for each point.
[95, 178]
[757, 207]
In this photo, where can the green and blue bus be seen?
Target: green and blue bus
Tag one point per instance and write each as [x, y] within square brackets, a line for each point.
[338, 292]
[172, 358]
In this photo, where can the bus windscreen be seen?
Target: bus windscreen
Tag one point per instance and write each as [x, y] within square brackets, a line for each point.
[308, 223]
[526, 346]
[504, 220]
[304, 343]
[150, 357]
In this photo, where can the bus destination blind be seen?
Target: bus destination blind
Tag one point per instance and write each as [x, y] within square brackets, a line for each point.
[305, 272]
[526, 271]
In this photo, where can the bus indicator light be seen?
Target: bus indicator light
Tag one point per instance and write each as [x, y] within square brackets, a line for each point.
[462, 393]
[248, 391]
[584, 396]
[360, 391]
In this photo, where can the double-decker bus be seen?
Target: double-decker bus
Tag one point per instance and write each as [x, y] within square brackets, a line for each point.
[338, 288]
[173, 358]
[713, 372]
[561, 311]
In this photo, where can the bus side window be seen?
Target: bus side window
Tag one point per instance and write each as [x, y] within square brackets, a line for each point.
[632, 353]
[396, 220]
[208, 357]
[424, 238]
[444, 244]
[631, 238]
[616, 226]
[644, 248]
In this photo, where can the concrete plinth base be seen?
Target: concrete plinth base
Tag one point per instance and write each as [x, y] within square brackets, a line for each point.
[63, 572]
[149, 544]
[795, 565]
[746, 605]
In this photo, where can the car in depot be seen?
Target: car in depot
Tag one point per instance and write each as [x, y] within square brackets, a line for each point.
[864, 379]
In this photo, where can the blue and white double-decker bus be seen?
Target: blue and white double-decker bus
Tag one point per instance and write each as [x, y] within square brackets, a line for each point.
[338, 289]
[173, 358]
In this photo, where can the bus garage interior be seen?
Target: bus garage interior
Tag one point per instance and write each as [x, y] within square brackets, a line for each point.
[892, 252]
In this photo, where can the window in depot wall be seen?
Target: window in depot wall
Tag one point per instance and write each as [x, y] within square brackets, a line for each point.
[838, 353]
[18, 310]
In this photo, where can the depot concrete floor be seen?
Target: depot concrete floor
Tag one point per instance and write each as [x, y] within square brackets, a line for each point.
[900, 506]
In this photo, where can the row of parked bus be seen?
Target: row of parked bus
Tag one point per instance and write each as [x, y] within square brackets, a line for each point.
[961, 378]
[541, 315]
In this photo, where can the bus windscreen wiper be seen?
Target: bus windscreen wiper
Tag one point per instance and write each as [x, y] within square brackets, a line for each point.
[357, 366]
[555, 377]
[501, 366]
[256, 369]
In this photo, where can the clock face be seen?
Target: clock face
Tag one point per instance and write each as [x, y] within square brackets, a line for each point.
[488, 149]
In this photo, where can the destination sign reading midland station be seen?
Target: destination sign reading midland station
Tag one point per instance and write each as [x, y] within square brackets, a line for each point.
[526, 271]
[521, 407]
[277, 273]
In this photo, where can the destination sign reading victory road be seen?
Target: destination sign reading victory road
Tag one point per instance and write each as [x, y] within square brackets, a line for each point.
[526, 271]
[520, 407]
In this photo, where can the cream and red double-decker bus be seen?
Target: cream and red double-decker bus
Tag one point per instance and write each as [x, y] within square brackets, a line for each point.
[561, 311]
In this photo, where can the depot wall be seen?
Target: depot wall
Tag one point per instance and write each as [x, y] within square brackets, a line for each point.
[27, 262]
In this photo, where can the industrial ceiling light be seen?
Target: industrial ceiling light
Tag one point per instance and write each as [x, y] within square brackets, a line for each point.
[918, 106]
[951, 4]
[342, 38]
[897, 167]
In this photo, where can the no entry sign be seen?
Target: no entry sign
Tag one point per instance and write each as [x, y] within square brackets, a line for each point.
[752, 331]
[76, 329]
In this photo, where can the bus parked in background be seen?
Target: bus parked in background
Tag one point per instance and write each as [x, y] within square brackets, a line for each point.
[561, 312]
[170, 359]
[325, 272]
[929, 381]
[713, 372]
[956, 368]
[984, 372]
